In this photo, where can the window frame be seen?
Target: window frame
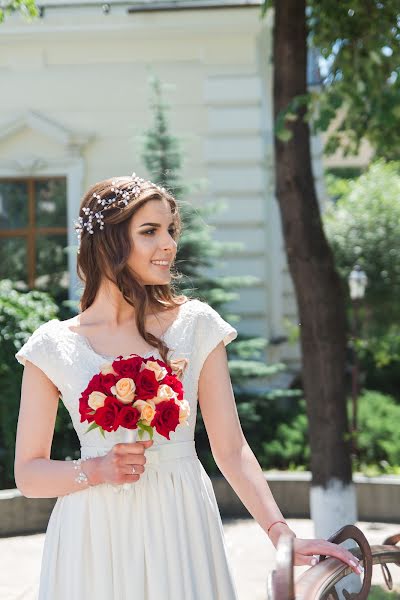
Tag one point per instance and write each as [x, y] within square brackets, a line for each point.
[31, 231]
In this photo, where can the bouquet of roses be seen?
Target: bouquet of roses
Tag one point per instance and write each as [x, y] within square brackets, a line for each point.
[137, 394]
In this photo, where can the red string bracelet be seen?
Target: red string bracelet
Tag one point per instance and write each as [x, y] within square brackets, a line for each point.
[274, 523]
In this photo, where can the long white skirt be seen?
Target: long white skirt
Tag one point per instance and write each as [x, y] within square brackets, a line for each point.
[160, 539]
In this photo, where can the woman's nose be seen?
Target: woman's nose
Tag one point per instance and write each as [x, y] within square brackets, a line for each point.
[169, 243]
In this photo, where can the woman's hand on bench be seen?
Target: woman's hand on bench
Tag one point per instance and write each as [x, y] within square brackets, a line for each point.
[305, 552]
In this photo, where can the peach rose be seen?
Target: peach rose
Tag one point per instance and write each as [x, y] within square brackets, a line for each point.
[178, 366]
[124, 390]
[165, 392]
[159, 371]
[184, 410]
[107, 369]
[147, 410]
[96, 400]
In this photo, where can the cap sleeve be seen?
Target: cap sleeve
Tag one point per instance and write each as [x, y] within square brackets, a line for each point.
[37, 349]
[211, 330]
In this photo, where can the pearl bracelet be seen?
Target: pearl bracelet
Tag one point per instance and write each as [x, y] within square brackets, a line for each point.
[81, 477]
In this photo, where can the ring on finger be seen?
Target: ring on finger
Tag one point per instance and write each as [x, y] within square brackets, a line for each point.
[133, 470]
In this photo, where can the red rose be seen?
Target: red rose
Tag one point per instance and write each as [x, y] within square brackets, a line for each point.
[100, 383]
[166, 418]
[107, 416]
[85, 410]
[93, 385]
[128, 367]
[128, 417]
[146, 385]
[106, 383]
[175, 384]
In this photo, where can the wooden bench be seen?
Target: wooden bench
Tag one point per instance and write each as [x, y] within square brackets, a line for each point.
[317, 583]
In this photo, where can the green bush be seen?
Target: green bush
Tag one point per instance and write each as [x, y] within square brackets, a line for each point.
[288, 447]
[363, 227]
[20, 314]
[260, 412]
[379, 357]
[378, 438]
[378, 593]
[284, 444]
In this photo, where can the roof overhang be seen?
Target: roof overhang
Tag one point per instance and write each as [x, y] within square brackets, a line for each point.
[173, 5]
[150, 5]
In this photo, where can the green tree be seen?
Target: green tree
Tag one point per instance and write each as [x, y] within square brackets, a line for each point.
[259, 411]
[20, 315]
[361, 42]
[27, 8]
[355, 37]
[363, 227]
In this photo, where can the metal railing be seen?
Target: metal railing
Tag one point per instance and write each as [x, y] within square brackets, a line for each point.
[318, 582]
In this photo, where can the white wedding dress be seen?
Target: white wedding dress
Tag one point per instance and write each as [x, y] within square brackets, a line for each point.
[162, 538]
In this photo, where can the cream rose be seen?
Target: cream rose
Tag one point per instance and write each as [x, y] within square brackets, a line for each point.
[147, 410]
[165, 392]
[107, 369]
[124, 390]
[96, 400]
[184, 410]
[178, 366]
[159, 371]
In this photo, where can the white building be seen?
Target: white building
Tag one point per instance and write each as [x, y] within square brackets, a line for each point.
[75, 100]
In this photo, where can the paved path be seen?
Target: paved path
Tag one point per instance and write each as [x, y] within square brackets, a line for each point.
[250, 552]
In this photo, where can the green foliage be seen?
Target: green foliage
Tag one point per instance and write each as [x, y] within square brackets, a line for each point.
[288, 447]
[290, 114]
[378, 441]
[363, 228]
[378, 593]
[20, 315]
[379, 356]
[337, 186]
[360, 44]
[27, 8]
[162, 156]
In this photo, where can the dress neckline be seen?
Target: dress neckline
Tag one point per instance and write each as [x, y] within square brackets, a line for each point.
[89, 346]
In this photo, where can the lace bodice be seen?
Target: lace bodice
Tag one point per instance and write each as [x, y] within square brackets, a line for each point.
[70, 362]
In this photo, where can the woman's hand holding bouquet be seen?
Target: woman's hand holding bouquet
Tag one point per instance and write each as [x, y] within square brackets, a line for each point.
[139, 395]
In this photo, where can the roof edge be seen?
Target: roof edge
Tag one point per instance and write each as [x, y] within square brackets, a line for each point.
[192, 5]
[153, 5]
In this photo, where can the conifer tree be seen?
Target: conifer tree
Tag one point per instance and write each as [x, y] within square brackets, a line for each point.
[162, 157]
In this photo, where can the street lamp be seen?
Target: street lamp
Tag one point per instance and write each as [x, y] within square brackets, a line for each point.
[357, 285]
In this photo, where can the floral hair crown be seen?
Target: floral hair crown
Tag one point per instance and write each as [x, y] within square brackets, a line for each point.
[122, 196]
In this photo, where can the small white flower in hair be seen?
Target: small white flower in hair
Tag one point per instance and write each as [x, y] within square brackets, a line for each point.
[122, 196]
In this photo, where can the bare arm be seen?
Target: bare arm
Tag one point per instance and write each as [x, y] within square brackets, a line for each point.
[36, 475]
[238, 464]
[230, 449]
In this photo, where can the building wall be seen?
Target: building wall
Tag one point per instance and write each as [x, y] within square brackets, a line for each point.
[77, 102]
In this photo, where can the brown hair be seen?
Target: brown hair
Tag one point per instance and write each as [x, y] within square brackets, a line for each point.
[106, 252]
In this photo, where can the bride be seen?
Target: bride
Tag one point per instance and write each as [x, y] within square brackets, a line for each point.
[162, 537]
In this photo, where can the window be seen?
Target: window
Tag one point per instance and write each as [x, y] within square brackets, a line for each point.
[33, 234]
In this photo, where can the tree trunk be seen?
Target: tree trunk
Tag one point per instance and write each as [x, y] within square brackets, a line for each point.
[319, 292]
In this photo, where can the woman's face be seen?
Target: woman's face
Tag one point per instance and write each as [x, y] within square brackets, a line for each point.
[152, 232]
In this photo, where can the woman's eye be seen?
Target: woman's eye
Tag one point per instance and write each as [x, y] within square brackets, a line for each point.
[171, 231]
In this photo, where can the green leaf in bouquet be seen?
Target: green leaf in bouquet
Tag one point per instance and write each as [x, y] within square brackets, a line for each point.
[142, 428]
[93, 426]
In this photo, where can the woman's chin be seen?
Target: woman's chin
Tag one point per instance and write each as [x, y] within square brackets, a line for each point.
[159, 280]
